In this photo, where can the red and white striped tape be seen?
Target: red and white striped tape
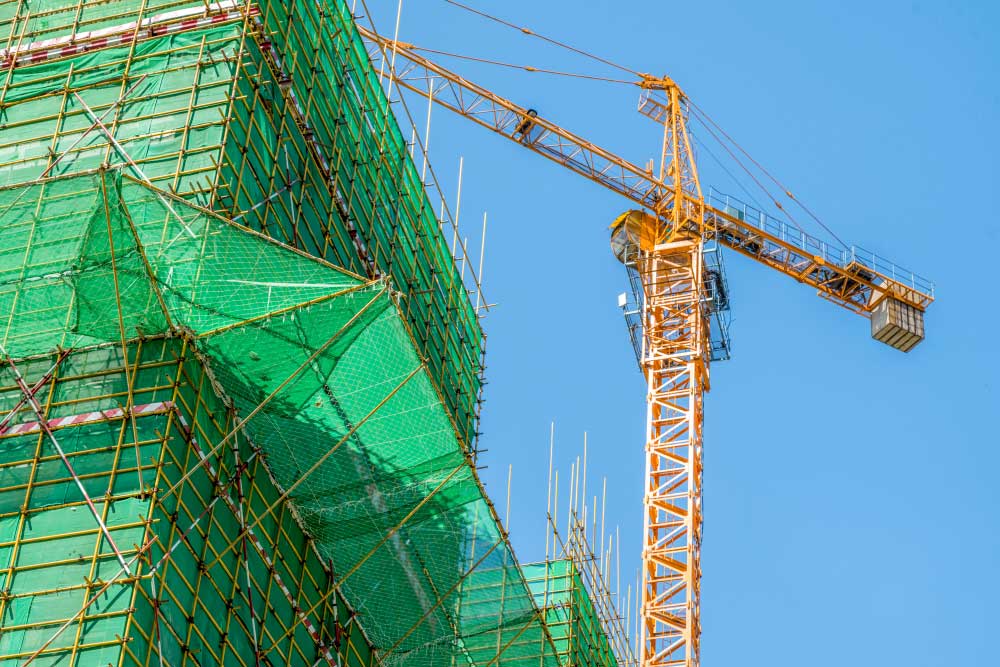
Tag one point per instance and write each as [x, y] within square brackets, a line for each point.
[87, 417]
[154, 26]
[162, 407]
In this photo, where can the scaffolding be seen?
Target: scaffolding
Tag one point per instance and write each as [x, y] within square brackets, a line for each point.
[67, 599]
[241, 371]
[570, 615]
[578, 585]
[268, 113]
[157, 354]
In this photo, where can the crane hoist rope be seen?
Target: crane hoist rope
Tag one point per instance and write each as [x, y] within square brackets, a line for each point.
[531, 69]
[544, 38]
[698, 111]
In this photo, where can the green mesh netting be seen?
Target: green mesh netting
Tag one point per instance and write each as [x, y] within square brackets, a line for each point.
[94, 258]
[321, 362]
[573, 621]
[279, 122]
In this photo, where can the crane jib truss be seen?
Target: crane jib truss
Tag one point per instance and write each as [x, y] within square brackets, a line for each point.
[851, 278]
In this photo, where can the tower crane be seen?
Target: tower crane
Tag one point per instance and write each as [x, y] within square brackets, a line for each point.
[662, 242]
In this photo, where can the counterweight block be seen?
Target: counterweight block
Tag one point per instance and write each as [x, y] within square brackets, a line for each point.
[897, 324]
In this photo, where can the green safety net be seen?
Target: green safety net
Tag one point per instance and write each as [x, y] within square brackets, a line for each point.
[48, 553]
[100, 258]
[278, 121]
[573, 622]
[322, 368]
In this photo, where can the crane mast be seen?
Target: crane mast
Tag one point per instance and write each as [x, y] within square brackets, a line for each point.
[666, 250]
[664, 243]
[675, 360]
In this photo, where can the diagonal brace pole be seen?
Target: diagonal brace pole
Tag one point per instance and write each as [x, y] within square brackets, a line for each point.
[79, 139]
[33, 390]
[441, 599]
[37, 409]
[128, 158]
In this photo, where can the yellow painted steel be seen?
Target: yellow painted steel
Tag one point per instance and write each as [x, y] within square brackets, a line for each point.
[676, 352]
[853, 281]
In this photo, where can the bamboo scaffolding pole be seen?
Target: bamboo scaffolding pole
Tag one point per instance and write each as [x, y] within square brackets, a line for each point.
[594, 568]
[506, 519]
[39, 413]
[173, 489]
[245, 552]
[548, 497]
[382, 656]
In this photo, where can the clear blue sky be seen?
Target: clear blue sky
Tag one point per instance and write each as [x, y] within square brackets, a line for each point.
[851, 494]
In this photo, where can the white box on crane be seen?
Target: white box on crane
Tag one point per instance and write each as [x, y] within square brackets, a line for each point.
[897, 324]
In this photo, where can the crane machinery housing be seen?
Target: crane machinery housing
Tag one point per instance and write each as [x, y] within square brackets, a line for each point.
[680, 293]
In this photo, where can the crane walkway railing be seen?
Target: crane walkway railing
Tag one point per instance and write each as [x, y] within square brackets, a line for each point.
[842, 257]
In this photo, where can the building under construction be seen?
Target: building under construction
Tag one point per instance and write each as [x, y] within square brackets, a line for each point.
[241, 366]
[241, 371]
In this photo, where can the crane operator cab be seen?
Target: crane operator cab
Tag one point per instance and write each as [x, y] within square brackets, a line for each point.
[631, 232]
